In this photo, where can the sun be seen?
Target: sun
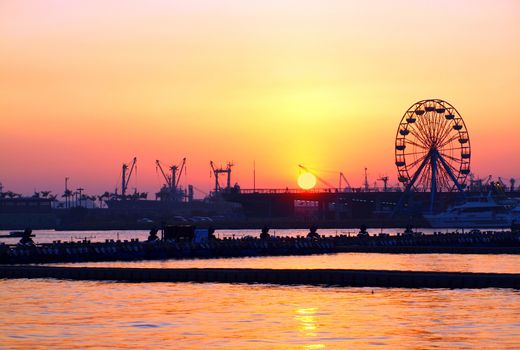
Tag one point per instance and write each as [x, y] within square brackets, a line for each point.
[306, 180]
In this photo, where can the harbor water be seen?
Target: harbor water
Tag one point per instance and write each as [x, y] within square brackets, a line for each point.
[40, 314]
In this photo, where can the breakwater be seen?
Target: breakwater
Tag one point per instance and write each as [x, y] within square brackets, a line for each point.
[84, 251]
[322, 277]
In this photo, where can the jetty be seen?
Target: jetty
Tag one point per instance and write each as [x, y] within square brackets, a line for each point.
[507, 242]
[316, 277]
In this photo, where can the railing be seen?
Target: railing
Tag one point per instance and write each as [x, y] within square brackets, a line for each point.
[314, 190]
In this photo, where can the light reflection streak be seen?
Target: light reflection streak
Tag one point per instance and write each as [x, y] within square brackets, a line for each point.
[308, 325]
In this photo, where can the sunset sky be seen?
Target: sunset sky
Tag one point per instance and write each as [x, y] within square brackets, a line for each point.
[88, 85]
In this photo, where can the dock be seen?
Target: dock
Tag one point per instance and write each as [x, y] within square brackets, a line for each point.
[86, 251]
[314, 277]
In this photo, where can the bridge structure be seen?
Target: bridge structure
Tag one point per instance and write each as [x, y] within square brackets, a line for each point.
[330, 203]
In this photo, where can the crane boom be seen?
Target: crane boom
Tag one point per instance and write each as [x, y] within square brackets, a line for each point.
[215, 172]
[342, 177]
[126, 179]
[134, 161]
[166, 178]
[183, 165]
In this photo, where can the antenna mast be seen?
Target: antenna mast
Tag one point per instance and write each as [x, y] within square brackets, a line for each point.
[366, 180]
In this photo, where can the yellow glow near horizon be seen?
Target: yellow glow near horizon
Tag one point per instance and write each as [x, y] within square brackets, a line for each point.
[306, 181]
[87, 85]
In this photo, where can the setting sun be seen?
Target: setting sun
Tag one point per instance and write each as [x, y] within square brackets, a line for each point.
[306, 180]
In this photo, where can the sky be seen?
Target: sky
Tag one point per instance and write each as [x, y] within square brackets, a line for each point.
[88, 85]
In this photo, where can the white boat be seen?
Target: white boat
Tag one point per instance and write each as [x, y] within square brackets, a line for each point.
[479, 213]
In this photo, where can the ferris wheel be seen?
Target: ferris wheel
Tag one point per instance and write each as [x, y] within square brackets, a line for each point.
[432, 148]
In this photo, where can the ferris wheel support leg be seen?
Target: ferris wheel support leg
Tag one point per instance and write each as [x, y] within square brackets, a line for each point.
[410, 185]
[433, 189]
[450, 173]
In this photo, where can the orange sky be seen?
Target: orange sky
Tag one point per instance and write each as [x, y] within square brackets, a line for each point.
[86, 85]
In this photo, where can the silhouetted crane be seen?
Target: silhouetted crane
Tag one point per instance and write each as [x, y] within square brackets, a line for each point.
[219, 171]
[340, 187]
[172, 180]
[385, 183]
[126, 179]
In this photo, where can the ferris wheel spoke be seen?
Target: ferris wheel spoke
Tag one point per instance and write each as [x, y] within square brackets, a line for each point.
[432, 124]
[426, 177]
[453, 170]
[458, 160]
[417, 161]
[440, 177]
[415, 153]
[436, 122]
[453, 174]
[451, 139]
[421, 130]
[444, 128]
[443, 175]
[416, 144]
[423, 126]
[446, 185]
[445, 123]
[444, 178]
[418, 136]
[451, 152]
[449, 131]
[416, 127]
[454, 153]
[451, 147]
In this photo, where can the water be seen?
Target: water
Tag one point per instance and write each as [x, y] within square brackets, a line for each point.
[369, 261]
[66, 314]
[76, 314]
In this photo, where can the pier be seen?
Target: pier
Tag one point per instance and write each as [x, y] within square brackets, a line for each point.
[85, 251]
[317, 277]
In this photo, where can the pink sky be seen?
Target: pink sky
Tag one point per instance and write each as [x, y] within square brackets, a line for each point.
[87, 85]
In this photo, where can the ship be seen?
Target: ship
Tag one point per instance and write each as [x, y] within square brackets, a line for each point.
[481, 212]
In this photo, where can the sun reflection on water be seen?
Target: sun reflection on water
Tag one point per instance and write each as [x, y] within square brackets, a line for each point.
[308, 325]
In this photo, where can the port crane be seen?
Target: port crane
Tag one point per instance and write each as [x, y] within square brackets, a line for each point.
[512, 183]
[344, 179]
[367, 187]
[125, 179]
[488, 180]
[218, 171]
[385, 182]
[173, 179]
